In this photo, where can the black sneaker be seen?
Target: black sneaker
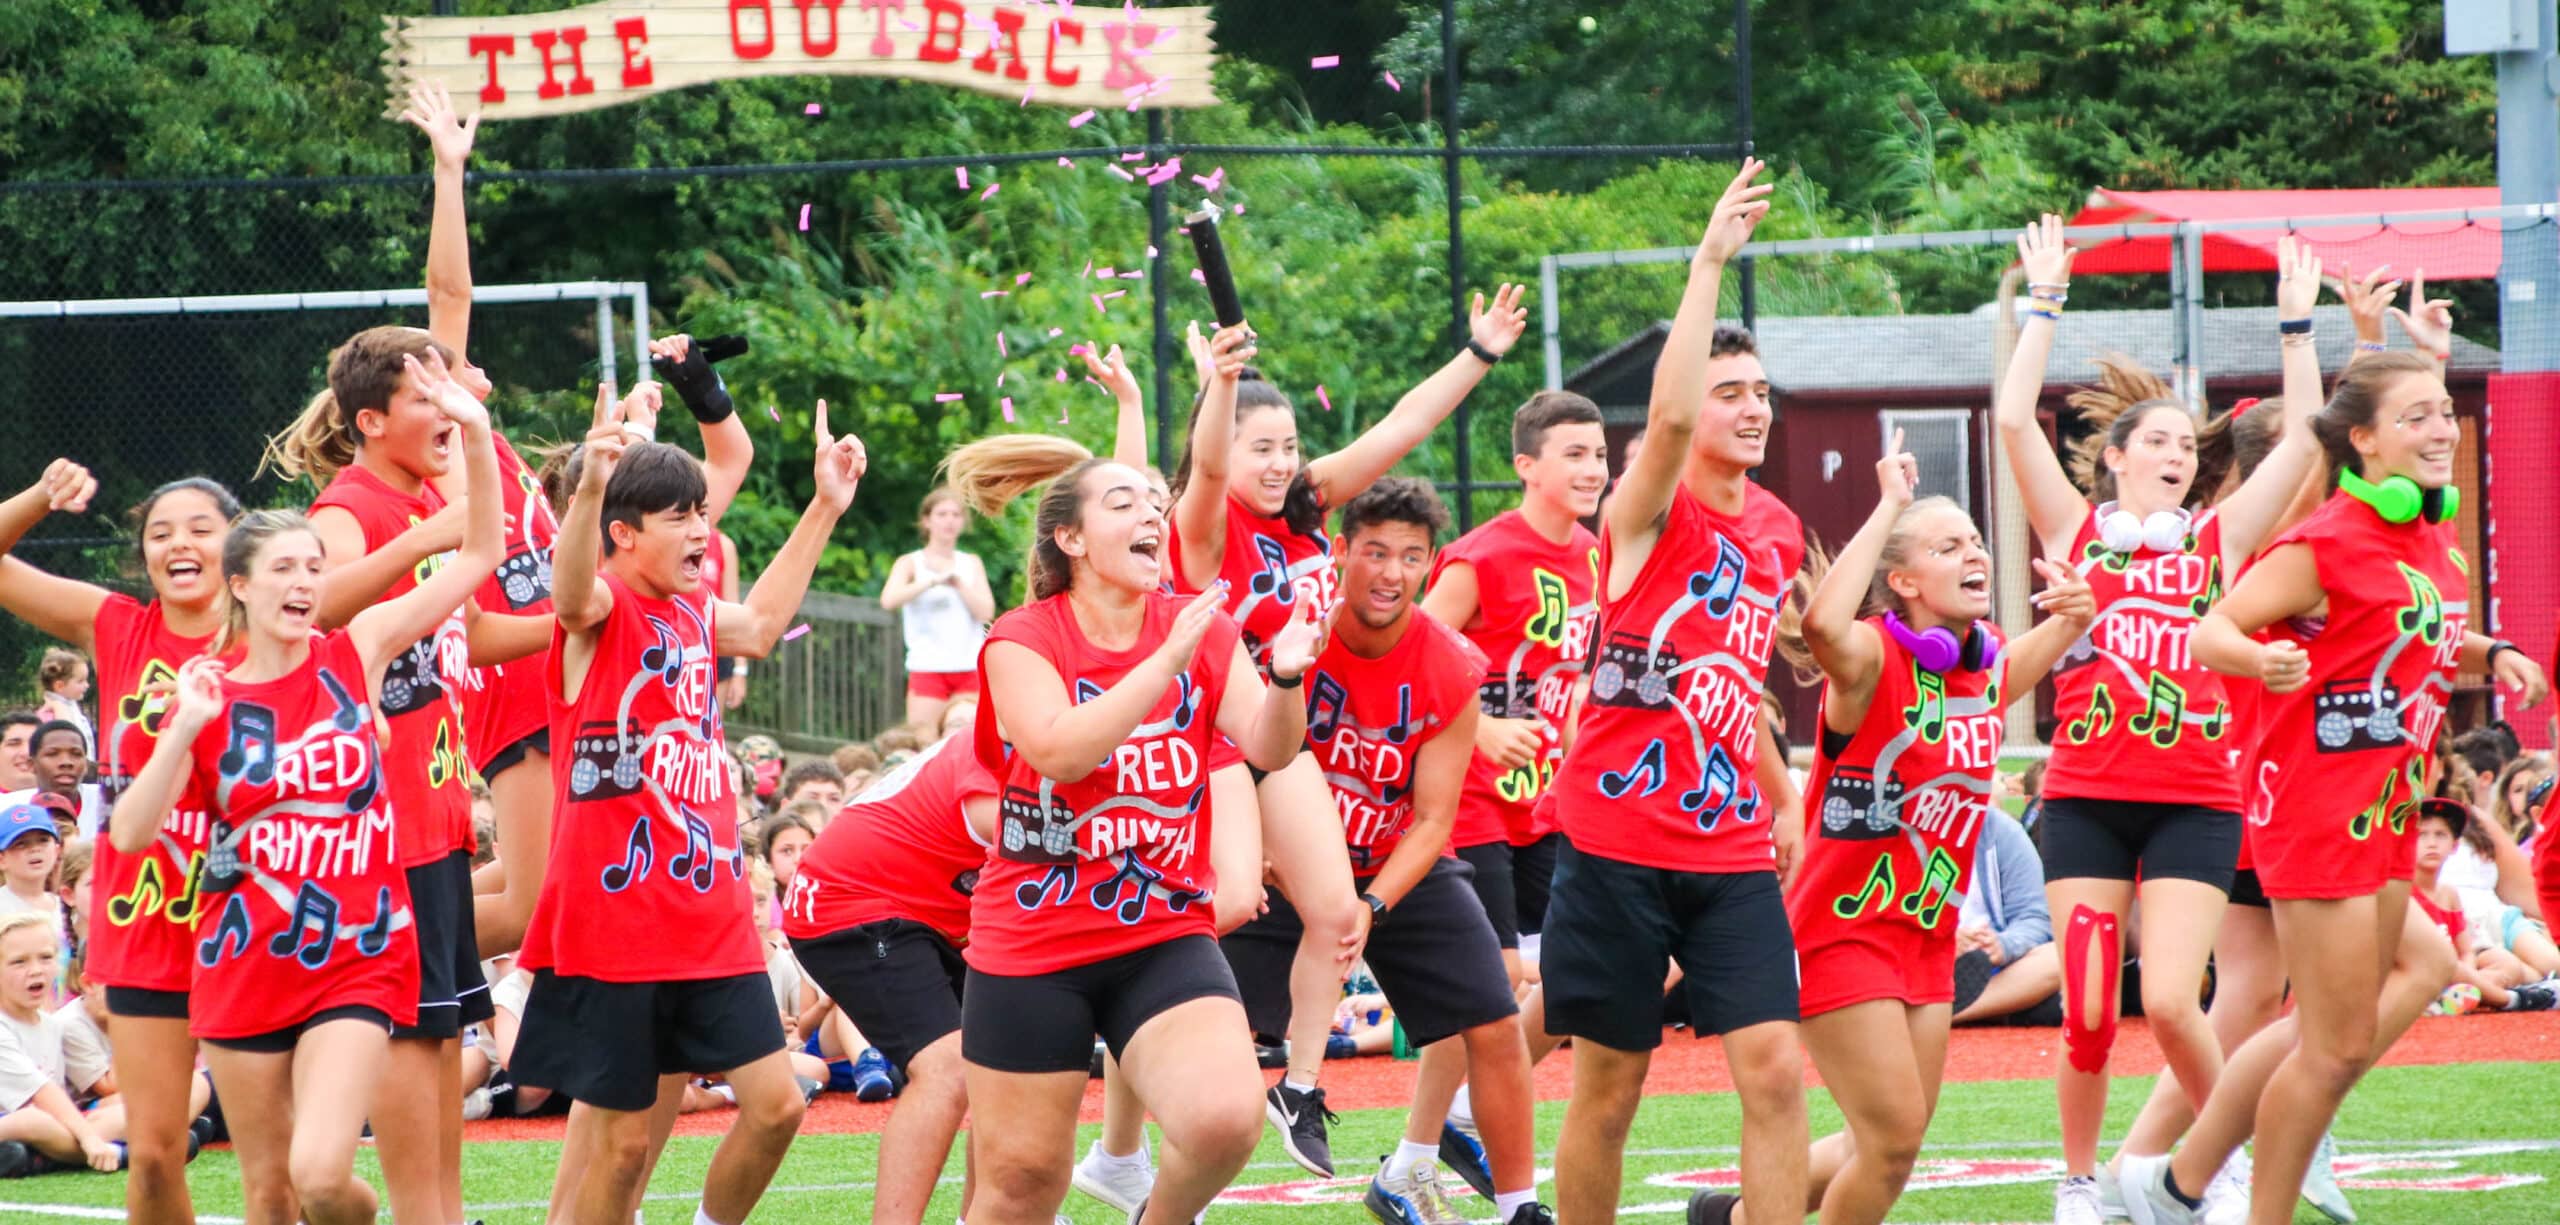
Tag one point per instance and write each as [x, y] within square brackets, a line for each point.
[1708, 1207]
[1460, 1153]
[2533, 997]
[1533, 1213]
[17, 1159]
[1300, 1119]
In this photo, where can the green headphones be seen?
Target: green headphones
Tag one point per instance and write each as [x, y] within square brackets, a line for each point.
[2399, 500]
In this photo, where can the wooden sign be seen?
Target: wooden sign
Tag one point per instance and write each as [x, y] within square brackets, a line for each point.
[598, 55]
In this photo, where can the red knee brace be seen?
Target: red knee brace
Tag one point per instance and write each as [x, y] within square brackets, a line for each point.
[2088, 1045]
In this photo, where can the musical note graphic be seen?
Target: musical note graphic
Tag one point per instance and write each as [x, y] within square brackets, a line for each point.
[361, 796]
[376, 935]
[1927, 714]
[637, 854]
[230, 937]
[444, 764]
[2094, 723]
[148, 704]
[695, 861]
[1126, 890]
[1720, 588]
[1554, 608]
[1717, 781]
[667, 657]
[1053, 886]
[1648, 770]
[1879, 885]
[2425, 615]
[2212, 593]
[346, 714]
[2163, 714]
[142, 900]
[2218, 722]
[189, 901]
[1937, 886]
[1326, 700]
[1273, 578]
[311, 931]
[251, 755]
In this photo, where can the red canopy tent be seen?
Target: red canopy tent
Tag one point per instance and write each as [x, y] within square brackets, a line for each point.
[2449, 250]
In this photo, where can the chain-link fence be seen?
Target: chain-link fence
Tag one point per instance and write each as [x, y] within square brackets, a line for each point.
[1863, 336]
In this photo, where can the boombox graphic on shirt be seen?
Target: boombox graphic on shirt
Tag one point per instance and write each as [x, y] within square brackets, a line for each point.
[2350, 716]
[1850, 808]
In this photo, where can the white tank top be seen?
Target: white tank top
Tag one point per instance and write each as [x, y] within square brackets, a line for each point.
[941, 635]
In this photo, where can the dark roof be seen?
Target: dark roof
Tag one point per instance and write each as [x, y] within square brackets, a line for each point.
[1824, 354]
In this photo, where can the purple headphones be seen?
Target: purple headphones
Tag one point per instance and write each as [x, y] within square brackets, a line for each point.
[1939, 650]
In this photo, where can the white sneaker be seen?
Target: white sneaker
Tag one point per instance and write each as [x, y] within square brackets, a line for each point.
[1122, 1184]
[1415, 1199]
[2226, 1198]
[2320, 1183]
[2145, 1181]
[2075, 1202]
[2110, 1194]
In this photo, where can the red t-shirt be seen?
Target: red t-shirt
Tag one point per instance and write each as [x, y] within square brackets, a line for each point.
[646, 882]
[319, 917]
[2546, 872]
[1268, 569]
[1535, 609]
[2141, 719]
[2342, 754]
[502, 704]
[1894, 814]
[1661, 772]
[901, 850]
[1119, 860]
[1367, 720]
[148, 901]
[425, 760]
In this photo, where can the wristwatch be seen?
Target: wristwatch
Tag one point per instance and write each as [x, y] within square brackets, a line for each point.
[1377, 909]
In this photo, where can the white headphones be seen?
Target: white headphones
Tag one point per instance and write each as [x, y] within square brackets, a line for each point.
[2163, 531]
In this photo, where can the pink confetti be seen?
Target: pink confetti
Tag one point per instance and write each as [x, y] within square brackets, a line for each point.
[1062, 416]
[1098, 306]
[1057, 332]
[1000, 377]
[1392, 82]
[1140, 155]
[1062, 374]
[1078, 350]
[1117, 293]
[1008, 409]
[1106, 273]
[815, 109]
[1165, 172]
[1088, 269]
[1151, 252]
[804, 218]
[990, 192]
[798, 631]
[1131, 275]
[773, 412]
[994, 293]
[1199, 276]
[1211, 182]
[1000, 349]
[1080, 120]
[1323, 399]
[1239, 210]
[945, 397]
[1122, 173]
[963, 172]
[1067, 162]
[905, 24]
[1325, 61]
[1023, 279]
[1026, 96]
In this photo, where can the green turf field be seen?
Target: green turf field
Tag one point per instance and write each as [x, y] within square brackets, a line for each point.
[2466, 1145]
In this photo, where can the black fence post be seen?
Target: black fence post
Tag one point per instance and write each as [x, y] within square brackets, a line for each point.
[1159, 285]
[1742, 120]
[1457, 247]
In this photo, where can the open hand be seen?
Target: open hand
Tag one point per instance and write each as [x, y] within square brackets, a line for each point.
[1501, 327]
[198, 698]
[1182, 640]
[2045, 254]
[451, 398]
[1738, 211]
[1295, 647]
[431, 111]
[2367, 298]
[2066, 594]
[2428, 321]
[2297, 278]
[1112, 371]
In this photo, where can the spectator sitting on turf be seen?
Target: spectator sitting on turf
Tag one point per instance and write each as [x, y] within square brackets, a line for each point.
[30, 848]
[2006, 965]
[783, 839]
[40, 1127]
[817, 780]
[2501, 980]
[792, 990]
[60, 752]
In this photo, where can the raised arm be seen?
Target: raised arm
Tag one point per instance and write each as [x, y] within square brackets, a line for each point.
[1849, 650]
[1269, 722]
[1340, 476]
[1200, 514]
[1129, 422]
[358, 578]
[58, 607]
[751, 629]
[579, 602]
[384, 630]
[2055, 507]
[1633, 515]
[2251, 513]
[2070, 607]
[2428, 321]
[448, 236]
[728, 451]
[146, 801]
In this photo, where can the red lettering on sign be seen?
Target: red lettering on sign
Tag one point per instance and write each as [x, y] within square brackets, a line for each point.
[493, 46]
[1128, 39]
[574, 38]
[1049, 66]
[1007, 35]
[634, 33]
[880, 44]
[808, 29]
[943, 22]
[738, 43]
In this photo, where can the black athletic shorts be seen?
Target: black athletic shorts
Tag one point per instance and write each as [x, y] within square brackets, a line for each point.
[606, 1044]
[1434, 955]
[898, 980]
[1513, 882]
[513, 755]
[280, 1041]
[2126, 839]
[146, 1002]
[2245, 891]
[451, 991]
[1615, 928]
[1047, 1022]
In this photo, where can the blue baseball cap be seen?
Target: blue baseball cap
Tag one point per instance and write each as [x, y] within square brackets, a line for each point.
[19, 820]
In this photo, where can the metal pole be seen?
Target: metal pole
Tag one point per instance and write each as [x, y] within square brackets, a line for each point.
[1160, 286]
[2180, 341]
[1551, 322]
[2529, 173]
[604, 340]
[1457, 241]
[640, 320]
[1742, 118]
[2191, 314]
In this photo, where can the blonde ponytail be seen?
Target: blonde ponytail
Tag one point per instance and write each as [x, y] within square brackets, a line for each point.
[990, 473]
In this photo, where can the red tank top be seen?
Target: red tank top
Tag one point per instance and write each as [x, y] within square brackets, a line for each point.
[1119, 860]
[148, 901]
[305, 904]
[1535, 608]
[646, 882]
[2344, 750]
[901, 850]
[1661, 771]
[503, 703]
[1892, 816]
[2140, 719]
[1268, 569]
[2448, 920]
[1367, 720]
[424, 763]
[2546, 870]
